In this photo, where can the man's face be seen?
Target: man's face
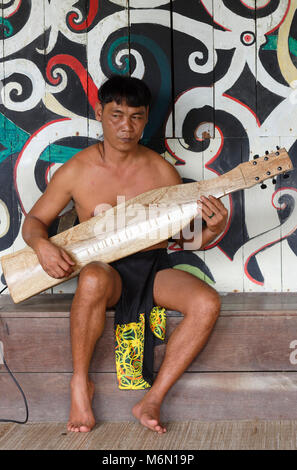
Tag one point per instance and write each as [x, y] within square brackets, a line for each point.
[122, 125]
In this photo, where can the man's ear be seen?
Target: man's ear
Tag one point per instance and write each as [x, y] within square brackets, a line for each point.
[98, 111]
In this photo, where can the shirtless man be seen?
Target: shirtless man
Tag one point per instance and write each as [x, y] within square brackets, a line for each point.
[98, 174]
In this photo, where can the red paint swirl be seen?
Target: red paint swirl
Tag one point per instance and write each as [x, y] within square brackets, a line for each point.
[93, 9]
[88, 85]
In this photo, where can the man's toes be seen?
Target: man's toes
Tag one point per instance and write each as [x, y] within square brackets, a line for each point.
[73, 427]
[152, 424]
[160, 429]
[84, 429]
[149, 422]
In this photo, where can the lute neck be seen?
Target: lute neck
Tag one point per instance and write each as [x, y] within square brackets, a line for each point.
[183, 193]
[225, 184]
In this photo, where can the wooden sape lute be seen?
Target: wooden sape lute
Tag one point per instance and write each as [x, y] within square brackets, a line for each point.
[99, 238]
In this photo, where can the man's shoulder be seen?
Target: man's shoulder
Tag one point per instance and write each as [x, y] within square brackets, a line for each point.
[71, 168]
[79, 160]
[163, 167]
[85, 154]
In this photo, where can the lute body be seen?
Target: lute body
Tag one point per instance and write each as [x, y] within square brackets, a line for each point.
[105, 238]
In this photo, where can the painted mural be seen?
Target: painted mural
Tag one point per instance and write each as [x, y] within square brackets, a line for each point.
[224, 82]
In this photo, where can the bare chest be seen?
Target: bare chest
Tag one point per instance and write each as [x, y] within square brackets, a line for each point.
[96, 192]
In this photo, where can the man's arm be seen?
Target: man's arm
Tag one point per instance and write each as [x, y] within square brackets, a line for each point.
[54, 260]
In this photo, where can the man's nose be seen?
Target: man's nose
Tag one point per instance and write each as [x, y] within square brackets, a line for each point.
[126, 123]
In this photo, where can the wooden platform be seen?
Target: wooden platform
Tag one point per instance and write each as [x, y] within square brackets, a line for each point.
[247, 370]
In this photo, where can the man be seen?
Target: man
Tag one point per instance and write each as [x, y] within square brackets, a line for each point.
[119, 165]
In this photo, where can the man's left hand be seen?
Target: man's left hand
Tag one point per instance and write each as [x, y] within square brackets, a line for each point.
[214, 213]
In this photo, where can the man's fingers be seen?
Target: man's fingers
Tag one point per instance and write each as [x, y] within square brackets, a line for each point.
[212, 206]
[65, 268]
[208, 208]
[209, 203]
[67, 257]
[218, 203]
[66, 263]
[57, 273]
[215, 201]
[204, 212]
[56, 262]
[61, 269]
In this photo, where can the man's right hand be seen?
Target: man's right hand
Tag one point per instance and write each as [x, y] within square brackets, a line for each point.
[54, 260]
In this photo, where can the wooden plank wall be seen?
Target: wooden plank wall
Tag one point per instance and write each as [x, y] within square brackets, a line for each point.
[223, 78]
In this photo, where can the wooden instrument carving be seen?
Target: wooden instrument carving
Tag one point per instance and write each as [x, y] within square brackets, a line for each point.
[100, 239]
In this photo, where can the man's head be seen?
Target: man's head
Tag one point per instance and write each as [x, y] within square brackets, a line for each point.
[123, 111]
[131, 90]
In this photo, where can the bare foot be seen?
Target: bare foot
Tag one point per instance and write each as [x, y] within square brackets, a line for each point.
[81, 417]
[148, 413]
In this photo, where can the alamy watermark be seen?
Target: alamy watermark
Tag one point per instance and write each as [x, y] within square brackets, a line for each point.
[1, 353]
[293, 355]
[155, 222]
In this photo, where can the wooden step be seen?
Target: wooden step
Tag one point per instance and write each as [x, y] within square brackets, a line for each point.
[247, 369]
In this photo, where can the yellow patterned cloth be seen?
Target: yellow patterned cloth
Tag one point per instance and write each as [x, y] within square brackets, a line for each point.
[130, 346]
[158, 322]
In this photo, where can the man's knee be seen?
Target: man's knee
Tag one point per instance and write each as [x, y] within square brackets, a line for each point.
[95, 278]
[206, 305]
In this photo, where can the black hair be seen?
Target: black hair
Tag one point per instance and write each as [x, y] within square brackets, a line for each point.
[121, 88]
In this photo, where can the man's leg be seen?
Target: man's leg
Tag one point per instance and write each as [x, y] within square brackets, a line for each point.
[99, 286]
[200, 304]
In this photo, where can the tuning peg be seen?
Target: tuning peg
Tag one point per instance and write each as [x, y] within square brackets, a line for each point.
[278, 148]
[286, 175]
[263, 186]
[256, 156]
[266, 152]
[274, 181]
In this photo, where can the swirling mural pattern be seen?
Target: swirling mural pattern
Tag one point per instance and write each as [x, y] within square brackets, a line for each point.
[224, 81]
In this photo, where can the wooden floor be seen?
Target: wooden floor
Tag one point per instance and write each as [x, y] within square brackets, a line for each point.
[221, 435]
